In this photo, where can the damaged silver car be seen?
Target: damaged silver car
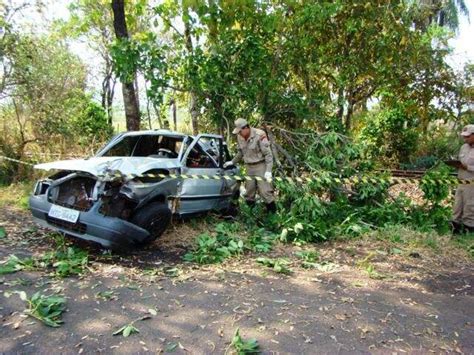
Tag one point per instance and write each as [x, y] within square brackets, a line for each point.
[125, 196]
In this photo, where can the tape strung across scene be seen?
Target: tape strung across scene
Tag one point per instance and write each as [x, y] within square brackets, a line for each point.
[16, 161]
[300, 180]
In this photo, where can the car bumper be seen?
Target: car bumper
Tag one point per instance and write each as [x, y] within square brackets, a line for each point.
[110, 232]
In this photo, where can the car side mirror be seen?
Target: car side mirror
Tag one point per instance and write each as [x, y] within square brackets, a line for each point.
[230, 167]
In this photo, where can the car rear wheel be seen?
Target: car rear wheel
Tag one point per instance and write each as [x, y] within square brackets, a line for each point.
[154, 218]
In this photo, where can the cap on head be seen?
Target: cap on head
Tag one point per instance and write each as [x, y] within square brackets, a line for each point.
[239, 124]
[467, 130]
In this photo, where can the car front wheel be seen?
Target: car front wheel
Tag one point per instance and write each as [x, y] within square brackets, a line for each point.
[154, 218]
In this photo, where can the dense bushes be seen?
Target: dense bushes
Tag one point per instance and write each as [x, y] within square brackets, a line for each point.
[330, 206]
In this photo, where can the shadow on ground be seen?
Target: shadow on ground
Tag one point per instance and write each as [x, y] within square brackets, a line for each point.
[416, 309]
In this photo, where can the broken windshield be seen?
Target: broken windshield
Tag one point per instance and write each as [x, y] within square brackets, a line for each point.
[154, 146]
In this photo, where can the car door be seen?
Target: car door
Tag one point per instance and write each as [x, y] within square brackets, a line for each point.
[196, 195]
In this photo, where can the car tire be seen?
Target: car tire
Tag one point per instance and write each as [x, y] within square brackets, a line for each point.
[154, 218]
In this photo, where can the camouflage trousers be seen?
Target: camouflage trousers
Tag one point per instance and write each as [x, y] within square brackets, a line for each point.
[264, 188]
[463, 209]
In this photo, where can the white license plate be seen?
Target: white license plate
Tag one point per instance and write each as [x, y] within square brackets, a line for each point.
[63, 213]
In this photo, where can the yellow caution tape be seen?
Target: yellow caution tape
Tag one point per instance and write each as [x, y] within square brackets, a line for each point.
[301, 180]
[16, 160]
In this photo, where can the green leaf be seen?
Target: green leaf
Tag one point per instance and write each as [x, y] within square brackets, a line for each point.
[119, 331]
[171, 347]
[3, 233]
[243, 347]
[47, 309]
[127, 331]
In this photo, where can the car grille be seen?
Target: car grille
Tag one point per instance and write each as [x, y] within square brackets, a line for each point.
[74, 207]
[75, 227]
[74, 193]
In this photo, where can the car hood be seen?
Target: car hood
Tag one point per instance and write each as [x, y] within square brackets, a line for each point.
[100, 165]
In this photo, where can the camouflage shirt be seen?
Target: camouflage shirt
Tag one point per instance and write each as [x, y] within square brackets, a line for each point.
[466, 156]
[255, 149]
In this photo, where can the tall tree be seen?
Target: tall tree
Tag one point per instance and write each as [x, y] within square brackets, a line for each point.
[191, 72]
[93, 19]
[130, 98]
[440, 12]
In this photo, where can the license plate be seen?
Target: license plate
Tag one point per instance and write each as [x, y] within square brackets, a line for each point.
[63, 213]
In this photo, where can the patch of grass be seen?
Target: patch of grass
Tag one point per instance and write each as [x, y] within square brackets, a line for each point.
[16, 195]
[400, 237]
[465, 242]
[367, 265]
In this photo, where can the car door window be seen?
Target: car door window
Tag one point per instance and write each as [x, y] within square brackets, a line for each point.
[199, 159]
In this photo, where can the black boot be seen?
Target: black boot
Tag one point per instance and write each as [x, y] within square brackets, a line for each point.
[456, 227]
[250, 203]
[468, 229]
[271, 207]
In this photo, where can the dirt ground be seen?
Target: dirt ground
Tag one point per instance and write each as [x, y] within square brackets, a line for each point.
[417, 301]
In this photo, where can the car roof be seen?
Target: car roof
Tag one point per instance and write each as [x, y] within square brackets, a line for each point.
[156, 132]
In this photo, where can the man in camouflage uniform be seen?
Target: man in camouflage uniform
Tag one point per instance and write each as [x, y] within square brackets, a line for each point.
[463, 209]
[254, 149]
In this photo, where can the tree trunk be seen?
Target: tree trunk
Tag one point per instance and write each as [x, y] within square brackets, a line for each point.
[162, 125]
[348, 119]
[193, 109]
[132, 111]
[173, 111]
[107, 94]
[340, 104]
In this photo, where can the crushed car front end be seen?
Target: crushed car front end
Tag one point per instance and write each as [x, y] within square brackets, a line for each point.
[81, 204]
[70, 204]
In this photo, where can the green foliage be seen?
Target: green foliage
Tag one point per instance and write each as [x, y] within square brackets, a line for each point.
[92, 123]
[42, 65]
[439, 143]
[14, 264]
[390, 133]
[65, 261]
[308, 255]
[244, 347]
[230, 239]
[47, 309]
[127, 330]
[260, 240]
[352, 52]
[278, 265]
[309, 259]
[434, 191]
[215, 249]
